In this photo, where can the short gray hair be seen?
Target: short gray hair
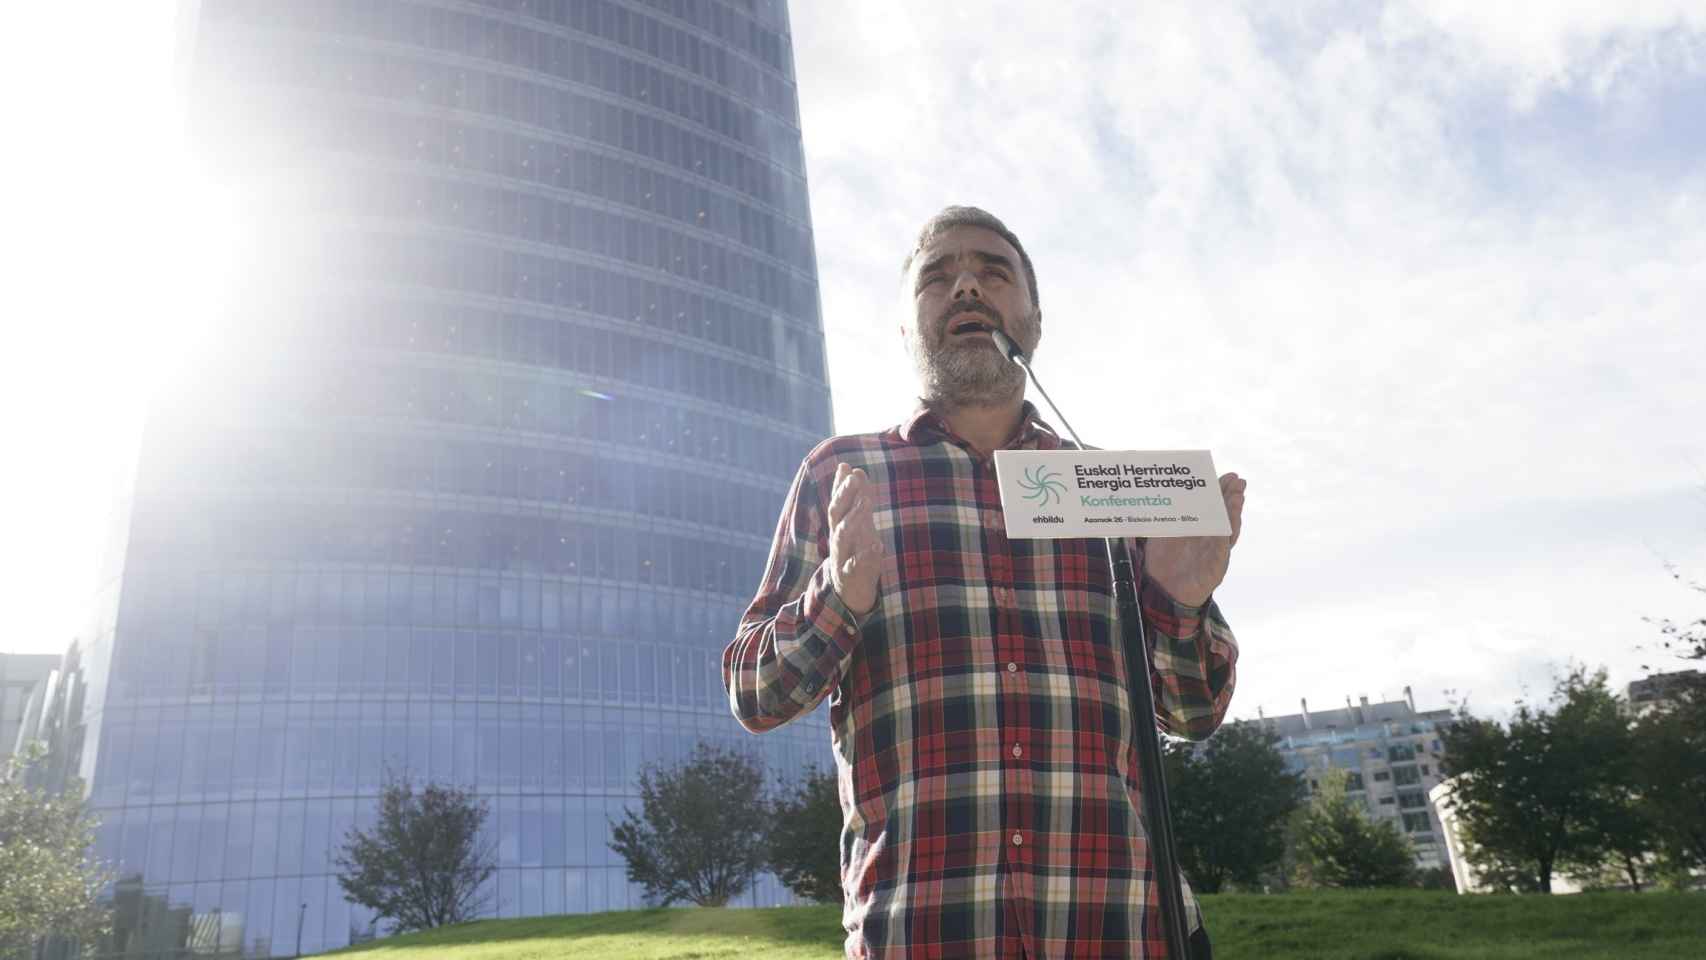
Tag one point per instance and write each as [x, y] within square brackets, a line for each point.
[951, 217]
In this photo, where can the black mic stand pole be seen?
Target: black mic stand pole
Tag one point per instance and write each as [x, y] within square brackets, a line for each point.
[1162, 852]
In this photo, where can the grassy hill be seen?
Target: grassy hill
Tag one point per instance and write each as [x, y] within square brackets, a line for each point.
[1362, 925]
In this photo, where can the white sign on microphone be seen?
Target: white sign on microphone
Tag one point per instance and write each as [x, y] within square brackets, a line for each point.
[1064, 494]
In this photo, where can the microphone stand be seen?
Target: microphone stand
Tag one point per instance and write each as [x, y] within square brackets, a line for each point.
[1163, 854]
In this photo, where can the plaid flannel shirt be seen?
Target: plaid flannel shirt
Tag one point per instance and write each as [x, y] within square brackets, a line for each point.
[979, 714]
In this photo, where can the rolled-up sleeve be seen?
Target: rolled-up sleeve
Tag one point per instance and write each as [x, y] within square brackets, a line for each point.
[1193, 660]
[797, 636]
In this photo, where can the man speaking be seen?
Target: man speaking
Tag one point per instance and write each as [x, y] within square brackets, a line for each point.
[979, 710]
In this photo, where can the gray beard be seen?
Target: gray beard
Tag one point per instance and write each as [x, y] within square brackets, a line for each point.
[965, 375]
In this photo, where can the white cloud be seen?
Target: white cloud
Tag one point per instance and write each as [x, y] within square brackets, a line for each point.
[1563, 44]
[1383, 261]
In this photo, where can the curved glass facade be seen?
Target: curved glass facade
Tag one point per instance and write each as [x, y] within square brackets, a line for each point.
[482, 473]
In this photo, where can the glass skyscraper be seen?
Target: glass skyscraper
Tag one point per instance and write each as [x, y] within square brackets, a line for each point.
[482, 464]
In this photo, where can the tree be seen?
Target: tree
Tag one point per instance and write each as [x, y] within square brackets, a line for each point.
[1670, 760]
[1541, 792]
[1671, 750]
[1617, 839]
[425, 862]
[1687, 639]
[702, 828]
[805, 832]
[1230, 799]
[48, 884]
[1615, 831]
[1337, 845]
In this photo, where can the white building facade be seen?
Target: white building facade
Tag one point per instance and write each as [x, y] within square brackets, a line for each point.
[1391, 753]
[23, 680]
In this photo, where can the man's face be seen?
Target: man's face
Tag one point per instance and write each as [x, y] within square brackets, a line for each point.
[963, 280]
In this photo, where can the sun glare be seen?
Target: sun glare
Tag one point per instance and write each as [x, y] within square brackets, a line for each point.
[200, 241]
[175, 239]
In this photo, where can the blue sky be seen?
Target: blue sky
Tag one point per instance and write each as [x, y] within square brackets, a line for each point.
[1428, 275]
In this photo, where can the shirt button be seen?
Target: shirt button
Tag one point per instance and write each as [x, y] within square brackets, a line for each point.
[1018, 839]
[1012, 667]
[852, 631]
[1017, 752]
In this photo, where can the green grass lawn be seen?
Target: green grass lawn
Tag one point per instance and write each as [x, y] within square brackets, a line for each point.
[780, 933]
[1418, 925]
[1364, 925]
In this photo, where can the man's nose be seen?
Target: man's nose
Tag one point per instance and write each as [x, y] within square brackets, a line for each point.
[965, 285]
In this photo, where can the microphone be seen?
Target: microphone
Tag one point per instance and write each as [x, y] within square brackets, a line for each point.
[1013, 352]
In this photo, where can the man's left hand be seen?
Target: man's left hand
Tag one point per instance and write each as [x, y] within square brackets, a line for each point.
[1190, 568]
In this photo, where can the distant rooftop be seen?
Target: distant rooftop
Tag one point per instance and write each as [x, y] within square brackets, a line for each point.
[1660, 685]
[1347, 718]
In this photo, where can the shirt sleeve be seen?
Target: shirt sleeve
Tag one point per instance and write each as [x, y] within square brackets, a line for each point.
[1193, 659]
[797, 636]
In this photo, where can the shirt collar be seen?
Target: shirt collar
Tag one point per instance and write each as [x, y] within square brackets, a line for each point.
[925, 426]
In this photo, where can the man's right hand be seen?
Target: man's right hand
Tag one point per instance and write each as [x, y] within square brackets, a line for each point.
[855, 553]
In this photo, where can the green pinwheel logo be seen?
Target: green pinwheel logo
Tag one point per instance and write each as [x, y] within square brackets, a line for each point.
[1042, 486]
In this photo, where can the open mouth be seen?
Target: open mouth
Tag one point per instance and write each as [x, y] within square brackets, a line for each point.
[966, 326]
